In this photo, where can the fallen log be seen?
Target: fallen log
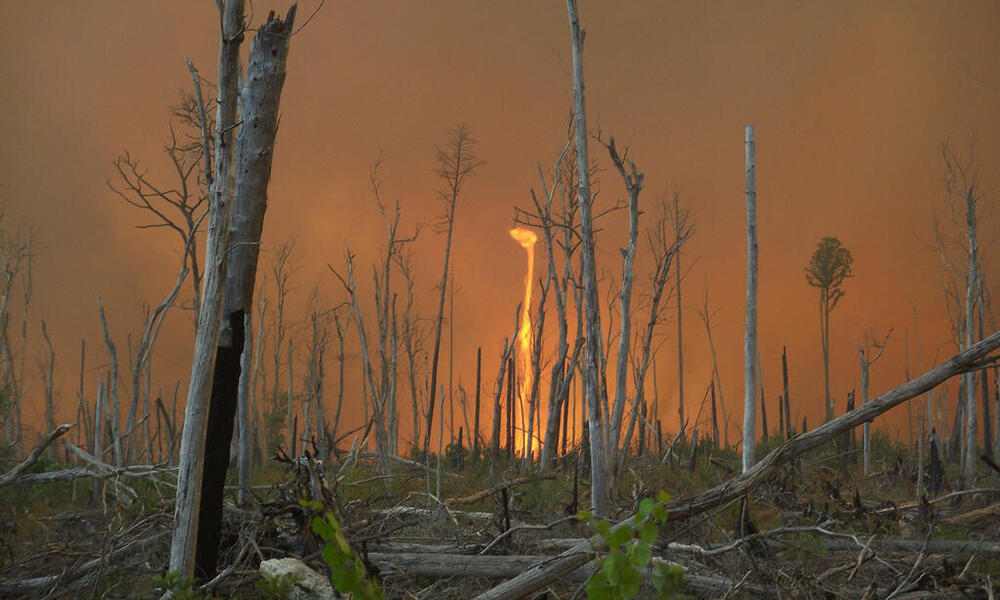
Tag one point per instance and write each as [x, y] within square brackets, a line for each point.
[430, 513]
[500, 567]
[539, 575]
[500, 486]
[11, 476]
[82, 472]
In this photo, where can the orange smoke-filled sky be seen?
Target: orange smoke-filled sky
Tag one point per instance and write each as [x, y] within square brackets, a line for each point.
[851, 103]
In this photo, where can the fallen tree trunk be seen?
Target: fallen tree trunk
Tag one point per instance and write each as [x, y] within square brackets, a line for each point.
[500, 486]
[14, 474]
[81, 472]
[540, 574]
[431, 513]
[497, 567]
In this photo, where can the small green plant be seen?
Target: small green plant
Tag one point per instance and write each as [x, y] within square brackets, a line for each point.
[180, 588]
[630, 551]
[347, 570]
[276, 587]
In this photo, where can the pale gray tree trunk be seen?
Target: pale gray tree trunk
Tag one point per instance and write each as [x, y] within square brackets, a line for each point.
[663, 255]
[282, 270]
[633, 184]
[871, 343]
[48, 373]
[112, 405]
[750, 341]
[497, 391]
[593, 367]
[190, 469]
[290, 401]
[246, 173]
[971, 294]
[680, 330]
[455, 165]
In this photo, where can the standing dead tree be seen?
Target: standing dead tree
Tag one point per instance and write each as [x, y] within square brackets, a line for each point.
[869, 351]
[282, 268]
[564, 364]
[238, 202]
[456, 162]
[315, 375]
[375, 398]
[381, 375]
[750, 355]
[593, 365]
[962, 278]
[633, 185]
[411, 333]
[663, 251]
[17, 249]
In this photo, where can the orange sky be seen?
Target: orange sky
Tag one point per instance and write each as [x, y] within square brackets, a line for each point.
[851, 102]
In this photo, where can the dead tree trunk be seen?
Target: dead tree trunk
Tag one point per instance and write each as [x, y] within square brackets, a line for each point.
[871, 343]
[498, 391]
[192, 457]
[750, 343]
[984, 384]
[112, 405]
[633, 185]
[784, 381]
[593, 367]
[971, 295]
[455, 166]
[663, 254]
[48, 372]
[259, 100]
[240, 190]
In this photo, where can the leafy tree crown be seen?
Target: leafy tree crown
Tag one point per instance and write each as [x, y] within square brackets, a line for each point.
[829, 266]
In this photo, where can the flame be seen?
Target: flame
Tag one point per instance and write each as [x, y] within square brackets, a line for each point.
[525, 342]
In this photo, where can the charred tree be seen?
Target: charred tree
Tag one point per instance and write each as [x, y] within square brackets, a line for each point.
[239, 200]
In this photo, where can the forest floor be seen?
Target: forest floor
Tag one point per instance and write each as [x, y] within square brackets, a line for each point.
[813, 528]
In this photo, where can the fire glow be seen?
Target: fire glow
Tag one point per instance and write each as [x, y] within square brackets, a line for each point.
[525, 342]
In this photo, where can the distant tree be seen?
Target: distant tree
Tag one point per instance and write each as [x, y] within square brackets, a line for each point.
[456, 162]
[829, 266]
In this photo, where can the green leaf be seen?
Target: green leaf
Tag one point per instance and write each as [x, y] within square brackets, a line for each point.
[640, 554]
[618, 536]
[323, 529]
[648, 532]
[645, 508]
